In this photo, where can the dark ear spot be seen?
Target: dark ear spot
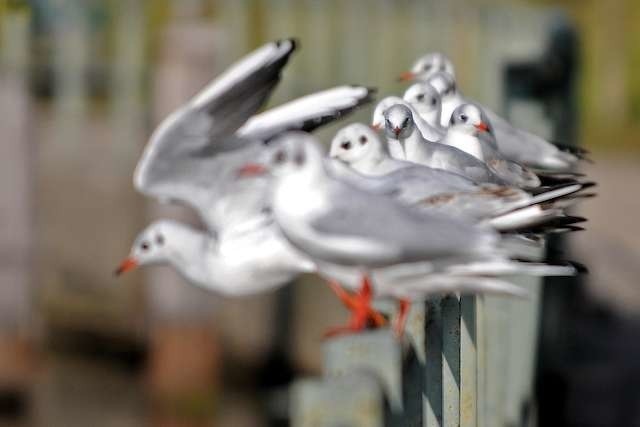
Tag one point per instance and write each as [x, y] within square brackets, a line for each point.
[160, 239]
[363, 139]
[280, 157]
[299, 158]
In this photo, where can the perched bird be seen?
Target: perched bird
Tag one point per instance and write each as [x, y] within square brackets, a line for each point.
[406, 143]
[428, 132]
[349, 231]
[427, 65]
[471, 131]
[516, 144]
[359, 146]
[427, 102]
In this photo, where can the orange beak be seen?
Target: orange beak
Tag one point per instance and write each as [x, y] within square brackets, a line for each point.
[251, 169]
[406, 76]
[126, 265]
[375, 127]
[482, 126]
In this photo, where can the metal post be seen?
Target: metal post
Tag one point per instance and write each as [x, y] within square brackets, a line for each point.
[433, 366]
[450, 307]
[469, 358]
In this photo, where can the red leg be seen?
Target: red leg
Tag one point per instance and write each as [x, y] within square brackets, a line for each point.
[362, 314]
[403, 310]
[347, 299]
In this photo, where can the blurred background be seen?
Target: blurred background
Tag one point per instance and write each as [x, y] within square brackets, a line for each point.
[82, 85]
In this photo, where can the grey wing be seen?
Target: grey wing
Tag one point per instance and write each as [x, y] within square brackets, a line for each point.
[514, 173]
[409, 184]
[467, 165]
[190, 155]
[307, 113]
[409, 235]
[514, 145]
[418, 182]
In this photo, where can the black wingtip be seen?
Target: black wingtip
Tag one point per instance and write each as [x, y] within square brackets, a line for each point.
[579, 152]
[557, 186]
[371, 93]
[295, 43]
[580, 268]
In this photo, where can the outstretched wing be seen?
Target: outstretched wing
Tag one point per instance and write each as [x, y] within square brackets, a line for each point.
[189, 154]
[307, 113]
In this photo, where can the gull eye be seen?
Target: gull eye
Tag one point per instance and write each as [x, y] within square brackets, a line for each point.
[464, 117]
[346, 145]
[405, 122]
[420, 97]
[280, 157]
[426, 67]
[434, 102]
[160, 239]
[363, 139]
[145, 246]
[299, 158]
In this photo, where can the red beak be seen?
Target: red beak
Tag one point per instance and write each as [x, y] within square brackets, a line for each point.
[126, 265]
[251, 169]
[375, 127]
[397, 131]
[406, 76]
[482, 126]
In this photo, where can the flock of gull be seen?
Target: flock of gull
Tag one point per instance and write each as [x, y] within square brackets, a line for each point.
[437, 195]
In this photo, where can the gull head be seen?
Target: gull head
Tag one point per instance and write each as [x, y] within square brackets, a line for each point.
[427, 65]
[443, 82]
[289, 153]
[470, 119]
[398, 121]
[377, 120]
[150, 247]
[353, 142]
[424, 98]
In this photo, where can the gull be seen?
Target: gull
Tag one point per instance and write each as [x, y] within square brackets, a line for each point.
[406, 143]
[427, 130]
[341, 226]
[191, 158]
[251, 262]
[358, 146]
[427, 65]
[426, 100]
[471, 131]
[516, 144]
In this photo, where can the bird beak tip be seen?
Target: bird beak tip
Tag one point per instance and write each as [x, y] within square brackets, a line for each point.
[126, 265]
[482, 126]
[406, 76]
[251, 169]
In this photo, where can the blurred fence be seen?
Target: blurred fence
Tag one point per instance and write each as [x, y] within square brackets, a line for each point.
[84, 82]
